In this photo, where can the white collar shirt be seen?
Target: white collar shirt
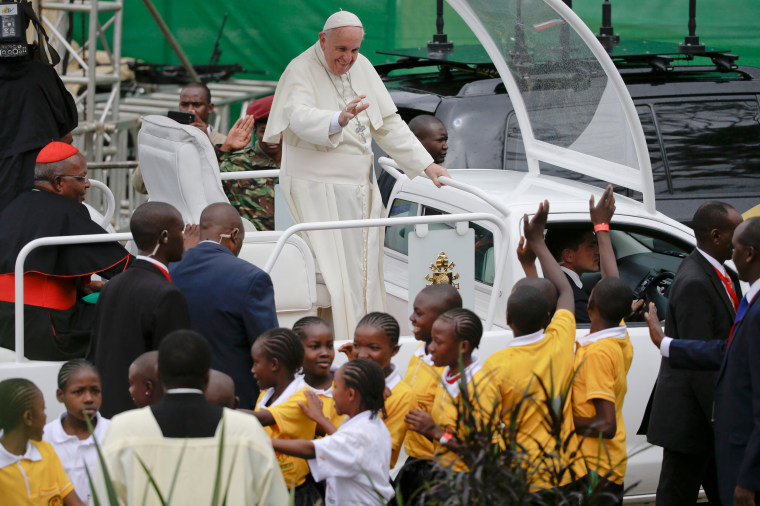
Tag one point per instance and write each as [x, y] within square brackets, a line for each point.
[76, 454]
[354, 461]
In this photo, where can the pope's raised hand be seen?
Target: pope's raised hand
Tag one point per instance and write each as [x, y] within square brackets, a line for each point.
[353, 108]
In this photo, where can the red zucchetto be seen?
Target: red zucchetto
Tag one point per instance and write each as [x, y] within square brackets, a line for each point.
[55, 152]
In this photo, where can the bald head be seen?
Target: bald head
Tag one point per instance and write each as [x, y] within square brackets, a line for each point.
[145, 387]
[545, 286]
[422, 124]
[445, 296]
[220, 222]
[221, 390]
[149, 221]
[147, 364]
[432, 134]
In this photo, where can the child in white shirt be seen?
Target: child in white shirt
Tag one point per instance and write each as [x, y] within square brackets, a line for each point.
[80, 391]
[354, 460]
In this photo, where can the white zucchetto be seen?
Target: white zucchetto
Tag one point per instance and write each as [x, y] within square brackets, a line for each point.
[340, 19]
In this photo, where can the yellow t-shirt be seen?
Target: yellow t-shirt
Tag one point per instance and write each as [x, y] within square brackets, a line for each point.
[43, 481]
[401, 401]
[602, 361]
[445, 406]
[519, 370]
[425, 380]
[290, 423]
[328, 404]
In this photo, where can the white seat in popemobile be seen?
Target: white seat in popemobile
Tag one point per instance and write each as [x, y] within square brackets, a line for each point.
[179, 166]
[293, 275]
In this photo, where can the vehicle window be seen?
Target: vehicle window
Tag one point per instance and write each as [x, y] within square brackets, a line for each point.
[641, 253]
[711, 144]
[397, 236]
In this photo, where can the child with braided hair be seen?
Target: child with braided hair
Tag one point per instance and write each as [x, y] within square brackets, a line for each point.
[455, 335]
[30, 470]
[355, 459]
[277, 359]
[376, 338]
[80, 391]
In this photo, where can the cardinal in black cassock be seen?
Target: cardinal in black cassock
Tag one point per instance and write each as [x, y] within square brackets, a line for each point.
[57, 323]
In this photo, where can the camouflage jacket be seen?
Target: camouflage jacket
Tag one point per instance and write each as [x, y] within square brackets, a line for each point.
[253, 198]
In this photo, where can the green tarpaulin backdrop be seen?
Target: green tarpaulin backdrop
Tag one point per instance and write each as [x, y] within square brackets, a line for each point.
[265, 35]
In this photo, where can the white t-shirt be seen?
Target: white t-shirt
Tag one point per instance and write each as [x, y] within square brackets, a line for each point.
[354, 461]
[75, 453]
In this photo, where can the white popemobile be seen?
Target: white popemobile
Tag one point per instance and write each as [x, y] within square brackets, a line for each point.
[554, 70]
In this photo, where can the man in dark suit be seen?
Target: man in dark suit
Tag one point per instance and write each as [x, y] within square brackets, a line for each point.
[140, 306]
[737, 392]
[231, 301]
[248, 464]
[702, 305]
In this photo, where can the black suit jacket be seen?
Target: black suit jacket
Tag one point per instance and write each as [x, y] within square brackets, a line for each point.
[135, 310]
[186, 415]
[737, 408]
[681, 405]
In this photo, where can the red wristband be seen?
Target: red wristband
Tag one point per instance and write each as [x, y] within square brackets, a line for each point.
[602, 227]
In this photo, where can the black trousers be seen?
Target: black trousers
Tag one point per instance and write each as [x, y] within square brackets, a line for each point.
[682, 474]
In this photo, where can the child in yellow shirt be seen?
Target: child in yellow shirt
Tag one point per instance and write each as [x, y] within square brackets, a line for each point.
[319, 353]
[277, 357]
[539, 359]
[455, 335]
[30, 471]
[602, 360]
[424, 378]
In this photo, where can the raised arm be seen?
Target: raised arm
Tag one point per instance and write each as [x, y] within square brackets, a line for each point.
[601, 215]
[527, 259]
[534, 234]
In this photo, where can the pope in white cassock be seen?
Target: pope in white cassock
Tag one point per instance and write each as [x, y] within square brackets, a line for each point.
[329, 105]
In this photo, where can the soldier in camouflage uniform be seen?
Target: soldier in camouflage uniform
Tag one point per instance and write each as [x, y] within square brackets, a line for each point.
[254, 198]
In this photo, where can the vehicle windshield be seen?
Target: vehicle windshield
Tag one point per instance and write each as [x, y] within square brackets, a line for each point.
[569, 99]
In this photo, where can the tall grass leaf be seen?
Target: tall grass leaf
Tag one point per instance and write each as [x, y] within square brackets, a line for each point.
[151, 480]
[110, 491]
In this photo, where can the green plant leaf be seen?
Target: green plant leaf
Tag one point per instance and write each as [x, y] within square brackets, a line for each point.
[110, 490]
[151, 480]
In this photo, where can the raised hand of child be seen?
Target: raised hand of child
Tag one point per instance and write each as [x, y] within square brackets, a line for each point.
[653, 322]
[313, 406]
[527, 258]
[348, 349]
[603, 211]
[533, 229]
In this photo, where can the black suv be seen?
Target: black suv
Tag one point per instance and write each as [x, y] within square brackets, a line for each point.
[701, 122]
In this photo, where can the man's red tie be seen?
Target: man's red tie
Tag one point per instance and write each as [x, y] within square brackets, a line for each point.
[739, 315]
[729, 288]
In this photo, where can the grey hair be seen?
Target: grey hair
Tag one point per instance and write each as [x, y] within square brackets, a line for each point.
[330, 30]
[48, 171]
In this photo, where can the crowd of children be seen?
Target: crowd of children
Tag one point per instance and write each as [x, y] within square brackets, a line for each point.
[338, 433]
